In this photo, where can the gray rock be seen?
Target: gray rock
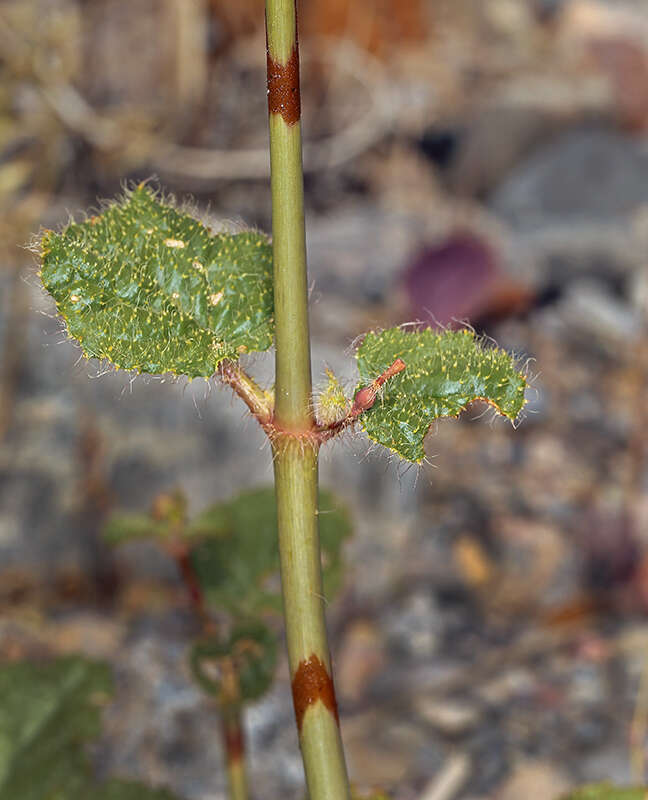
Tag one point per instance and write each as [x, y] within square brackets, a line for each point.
[589, 309]
[507, 133]
[413, 628]
[358, 253]
[585, 176]
[450, 717]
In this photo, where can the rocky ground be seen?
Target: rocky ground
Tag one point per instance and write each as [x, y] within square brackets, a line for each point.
[491, 637]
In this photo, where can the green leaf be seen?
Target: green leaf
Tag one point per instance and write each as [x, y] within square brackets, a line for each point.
[238, 564]
[166, 520]
[214, 521]
[444, 372]
[605, 791]
[152, 290]
[252, 649]
[48, 712]
[123, 527]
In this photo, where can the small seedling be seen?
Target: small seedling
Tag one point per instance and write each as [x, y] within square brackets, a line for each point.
[228, 559]
[235, 670]
[148, 288]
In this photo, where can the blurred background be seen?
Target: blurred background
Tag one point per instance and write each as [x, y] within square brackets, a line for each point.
[465, 159]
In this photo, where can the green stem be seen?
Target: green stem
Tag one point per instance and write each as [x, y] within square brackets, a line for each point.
[237, 779]
[232, 718]
[259, 403]
[308, 651]
[295, 448]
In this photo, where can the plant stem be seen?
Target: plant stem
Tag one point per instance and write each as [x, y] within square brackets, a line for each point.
[295, 451]
[259, 403]
[308, 652]
[230, 707]
[180, 552]
[233, 736]
[235, 757]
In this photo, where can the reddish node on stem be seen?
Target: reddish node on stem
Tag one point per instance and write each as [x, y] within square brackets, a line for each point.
[310, 684]
[234, 742]
[283, 88]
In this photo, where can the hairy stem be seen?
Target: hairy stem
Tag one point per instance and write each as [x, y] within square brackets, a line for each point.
[295, 452]
[259, 403]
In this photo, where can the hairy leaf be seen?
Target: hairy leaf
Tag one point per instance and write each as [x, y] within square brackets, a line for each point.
[152, 290]
[48, 712]
[444, 372]
[238, 564]
[605, 791]
[251, 649]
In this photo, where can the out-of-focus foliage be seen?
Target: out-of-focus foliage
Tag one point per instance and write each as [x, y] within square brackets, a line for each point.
[48, 712]
[233, 550]
[250, 649]
[238, 558]
[167, 519]
[233, 545]
[125, 527]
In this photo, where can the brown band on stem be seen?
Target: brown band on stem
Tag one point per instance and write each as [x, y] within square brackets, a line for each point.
[310, 684]
[233, 740]
[283, 88]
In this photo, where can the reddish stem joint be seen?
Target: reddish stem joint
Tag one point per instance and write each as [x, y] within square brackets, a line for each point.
[312, 683]
[366, 397]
